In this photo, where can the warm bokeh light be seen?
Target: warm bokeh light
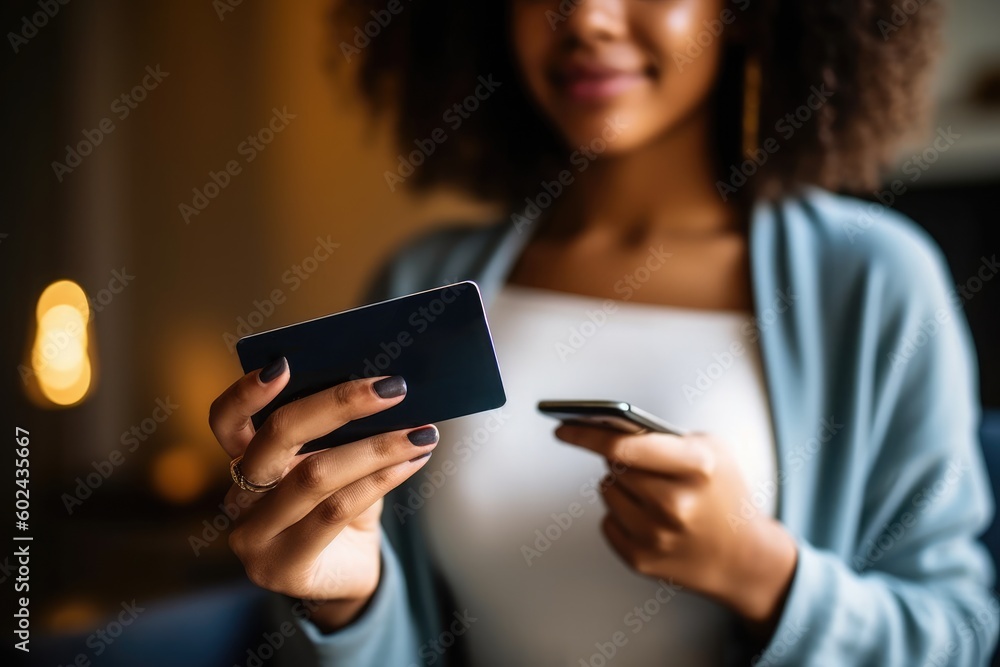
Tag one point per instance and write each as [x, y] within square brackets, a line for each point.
[59, 356]
[49, 381]
[62, 339]
[180, 474]
[63, 292]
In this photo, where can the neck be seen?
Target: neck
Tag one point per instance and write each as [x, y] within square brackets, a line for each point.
[665, 188]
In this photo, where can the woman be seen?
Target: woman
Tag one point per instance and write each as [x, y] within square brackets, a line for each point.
[671, 243]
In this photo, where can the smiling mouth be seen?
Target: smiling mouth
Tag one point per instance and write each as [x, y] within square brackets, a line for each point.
[595, 85]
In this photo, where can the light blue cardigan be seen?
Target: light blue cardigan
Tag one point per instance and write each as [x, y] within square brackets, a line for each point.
[872, 382]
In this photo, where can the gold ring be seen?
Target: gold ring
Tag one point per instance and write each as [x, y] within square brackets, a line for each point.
[244, 483]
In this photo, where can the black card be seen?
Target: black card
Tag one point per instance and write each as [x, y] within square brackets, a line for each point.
[438, 340]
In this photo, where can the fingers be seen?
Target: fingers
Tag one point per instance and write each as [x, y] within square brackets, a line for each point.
[325, 472]
[658, 494]
[632, 552]
[229, 416]
[653, 452]
[273, 449]
[310, 536]
[631, 515]
[670, 502]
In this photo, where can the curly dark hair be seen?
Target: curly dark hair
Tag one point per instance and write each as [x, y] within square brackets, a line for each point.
[872, 55]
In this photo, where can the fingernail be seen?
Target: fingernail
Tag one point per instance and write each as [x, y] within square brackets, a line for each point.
[422, 456]
[425, 435]
[390, 387]
[273, 370]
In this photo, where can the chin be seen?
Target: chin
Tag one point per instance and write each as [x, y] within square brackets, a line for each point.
[612, 131]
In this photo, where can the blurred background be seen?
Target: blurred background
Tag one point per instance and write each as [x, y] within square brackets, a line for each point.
[215, 178]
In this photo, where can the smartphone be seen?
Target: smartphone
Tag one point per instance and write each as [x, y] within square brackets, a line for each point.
[618, 415]
[437, 339]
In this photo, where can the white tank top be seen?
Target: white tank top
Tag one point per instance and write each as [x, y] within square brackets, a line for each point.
[513, 516]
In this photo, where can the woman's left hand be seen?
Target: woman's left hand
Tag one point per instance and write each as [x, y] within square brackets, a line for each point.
[674, 513]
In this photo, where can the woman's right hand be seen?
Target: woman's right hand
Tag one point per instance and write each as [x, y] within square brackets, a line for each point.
[316, 535]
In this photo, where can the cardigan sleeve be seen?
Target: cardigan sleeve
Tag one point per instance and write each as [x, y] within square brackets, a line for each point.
[917, 588]
[384, 633]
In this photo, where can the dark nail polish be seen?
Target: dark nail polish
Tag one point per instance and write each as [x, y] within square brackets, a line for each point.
[422, 456]
[390, 387]
[427, 435]
[273, 370]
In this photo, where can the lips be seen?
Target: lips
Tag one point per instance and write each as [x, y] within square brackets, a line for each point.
[595, 82]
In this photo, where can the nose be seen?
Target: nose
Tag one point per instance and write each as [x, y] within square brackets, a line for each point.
[596, 20]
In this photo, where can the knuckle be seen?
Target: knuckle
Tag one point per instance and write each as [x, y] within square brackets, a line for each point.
[241, 393]
[213, 414]
[342, 395]
[381, 445]
[636, 561]
[243, 545]
[236, 542]
[705, 467]
[275, 425]
[280, 429]
[663, 540]
[704, 460]
[260, 575]
[684, 510]
[646, 566]
[332, 511]
[309, 473]
[621, 451]
[383, 478]
[619, 469]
